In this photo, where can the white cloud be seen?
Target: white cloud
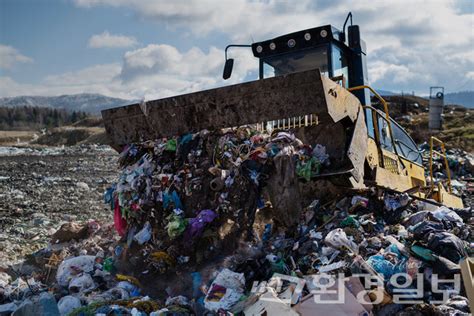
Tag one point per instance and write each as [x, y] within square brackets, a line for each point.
[96, 79]
[107, 40]
[155, 71]
[411, 46]
[162, 70]
[9, 57]
[241, 19]
[167, 60]
[245, 18]
[97, 74]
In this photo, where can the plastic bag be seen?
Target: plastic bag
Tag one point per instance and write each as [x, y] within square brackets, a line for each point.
[225, 290]
[358, 200]
[384, 267]
[82, 283]
[67, 304]
[115, 293]
[284, 137]
[444, 213]
[176, 225]
[308, 169]
[171, 145]
[393, 203]
[319, 152]
[132, 289]
[267, 232]
[196, 225]
[424, 253]
[413, 265]
[446, 245]
[350, 221]
[144, 235]
[337, 238]
[278, 264]
[172, 198]
[119, 222]
[81, 263]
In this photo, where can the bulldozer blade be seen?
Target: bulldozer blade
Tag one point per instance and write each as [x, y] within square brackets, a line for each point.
[274, 98]
[288, 96]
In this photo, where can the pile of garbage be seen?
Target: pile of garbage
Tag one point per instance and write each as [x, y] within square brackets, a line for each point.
[229, 223]
[189, 183]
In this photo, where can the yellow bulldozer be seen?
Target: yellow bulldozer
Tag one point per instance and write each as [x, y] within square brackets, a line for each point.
[313, 82]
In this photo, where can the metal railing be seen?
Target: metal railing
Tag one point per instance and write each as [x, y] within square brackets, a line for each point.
[387, 119]
[384, 103]
[442, 154]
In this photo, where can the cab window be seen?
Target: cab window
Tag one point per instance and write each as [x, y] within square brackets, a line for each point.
[339, 64]
[384, 133]
[369, 121]
[297, 61]
[405, 146]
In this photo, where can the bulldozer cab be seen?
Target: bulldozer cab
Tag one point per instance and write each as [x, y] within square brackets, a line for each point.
[327, 56]
[337, 55]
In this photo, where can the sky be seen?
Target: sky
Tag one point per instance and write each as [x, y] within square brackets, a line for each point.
[147, 49]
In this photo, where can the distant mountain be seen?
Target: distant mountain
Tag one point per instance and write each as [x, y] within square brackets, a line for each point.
[85, 102]
[385, 92]
[465, 98]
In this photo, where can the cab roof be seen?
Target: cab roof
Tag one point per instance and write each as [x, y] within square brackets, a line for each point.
[296, 41]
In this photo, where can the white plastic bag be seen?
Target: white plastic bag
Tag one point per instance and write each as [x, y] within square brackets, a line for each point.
[444, 213]
[82, 263]
[82, 283]
[67, 304]
[144, 235]
[337, 238]
[319, 152]
[234, 284]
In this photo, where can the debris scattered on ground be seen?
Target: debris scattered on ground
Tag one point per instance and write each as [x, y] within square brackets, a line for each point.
[203, 225]
[42, 188]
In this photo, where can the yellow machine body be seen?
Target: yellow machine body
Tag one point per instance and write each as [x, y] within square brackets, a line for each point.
[395, 172]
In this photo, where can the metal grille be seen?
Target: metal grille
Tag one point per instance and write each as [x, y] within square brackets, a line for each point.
[288, 123]
[390, 164]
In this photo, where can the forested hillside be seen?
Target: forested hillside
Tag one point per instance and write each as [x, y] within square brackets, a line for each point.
[30, 117]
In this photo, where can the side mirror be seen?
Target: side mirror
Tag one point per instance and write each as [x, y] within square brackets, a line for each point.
[229, 64]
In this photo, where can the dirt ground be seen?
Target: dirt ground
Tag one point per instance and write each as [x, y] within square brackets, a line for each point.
[41, 188]
[14, 137]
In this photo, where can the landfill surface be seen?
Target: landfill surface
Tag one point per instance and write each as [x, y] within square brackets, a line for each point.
[228, 222]
[44, 187]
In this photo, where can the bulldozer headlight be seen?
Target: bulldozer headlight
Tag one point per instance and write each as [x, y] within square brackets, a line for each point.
[323, 33]
[307, 36]
[272, 46]
[259, 49]
[291, 43]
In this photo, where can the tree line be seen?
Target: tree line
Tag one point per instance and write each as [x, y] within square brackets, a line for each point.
[32, 117]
